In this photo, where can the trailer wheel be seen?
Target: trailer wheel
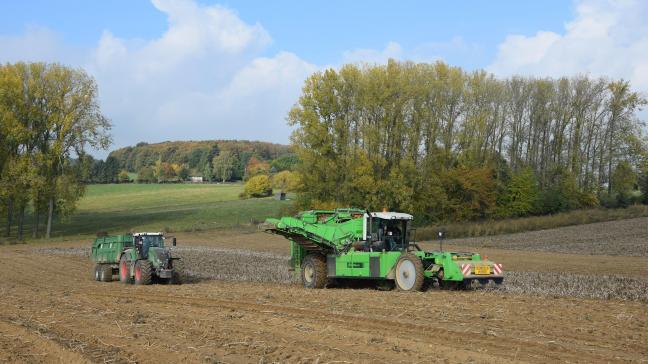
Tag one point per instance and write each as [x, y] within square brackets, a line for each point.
[97, 276]
[143, 272]
[313, 271]
[409, 273]
[105, 273]
[124, 274]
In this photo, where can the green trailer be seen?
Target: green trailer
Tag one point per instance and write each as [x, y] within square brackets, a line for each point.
[341, 244]
[139, 258]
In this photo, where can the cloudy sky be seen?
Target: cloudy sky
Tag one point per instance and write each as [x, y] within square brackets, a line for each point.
[186, 69]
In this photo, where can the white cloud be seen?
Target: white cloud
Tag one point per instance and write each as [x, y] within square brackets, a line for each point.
[204, 78]
[368, 55]
[455, 50]
[605, 38]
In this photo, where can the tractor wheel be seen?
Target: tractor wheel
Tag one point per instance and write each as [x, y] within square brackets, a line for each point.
[97, 273]
[124, 271]
[105, 273]
[313, 271]
[143, 272]
[178, 272]
[409, 273]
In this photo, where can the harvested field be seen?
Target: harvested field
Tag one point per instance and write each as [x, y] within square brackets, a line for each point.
[51, 298]
[251, 266]
[241, 306]
[616, 238]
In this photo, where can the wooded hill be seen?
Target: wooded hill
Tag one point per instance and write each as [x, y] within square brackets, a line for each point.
[196, 155]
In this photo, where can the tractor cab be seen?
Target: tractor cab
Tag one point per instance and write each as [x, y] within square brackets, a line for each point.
[145, 241]
[388, 231]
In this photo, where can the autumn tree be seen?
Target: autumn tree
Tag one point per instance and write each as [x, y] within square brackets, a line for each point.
[224, 165]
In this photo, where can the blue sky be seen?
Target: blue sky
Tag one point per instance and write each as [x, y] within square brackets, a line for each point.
[320, 32]
[181, 69]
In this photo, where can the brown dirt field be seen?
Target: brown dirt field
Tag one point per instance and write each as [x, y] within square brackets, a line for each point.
[54, 312]
[513, 259]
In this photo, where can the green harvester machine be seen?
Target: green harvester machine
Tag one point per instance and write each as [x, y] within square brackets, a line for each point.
[139, 258]
[330, 245]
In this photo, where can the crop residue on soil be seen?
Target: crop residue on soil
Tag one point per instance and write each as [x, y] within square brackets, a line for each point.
[252, 266]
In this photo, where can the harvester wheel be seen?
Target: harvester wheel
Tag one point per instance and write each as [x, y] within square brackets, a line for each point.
[124, 273]
[96, 272]
[313, 271]
[143, 272]
[409, 273]
[105, 273]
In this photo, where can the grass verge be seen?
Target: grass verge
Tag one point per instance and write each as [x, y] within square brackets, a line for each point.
[508, 226]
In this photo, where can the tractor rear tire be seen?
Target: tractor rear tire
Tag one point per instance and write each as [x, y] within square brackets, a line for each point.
[105, 273]
[143, 272]
[313, 271]
[124, 270]
[409, 273]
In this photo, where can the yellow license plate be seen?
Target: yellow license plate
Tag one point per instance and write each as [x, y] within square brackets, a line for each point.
[482, 269]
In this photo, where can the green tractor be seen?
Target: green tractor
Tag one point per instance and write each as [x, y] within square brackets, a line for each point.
[342, 244]
[139, 258]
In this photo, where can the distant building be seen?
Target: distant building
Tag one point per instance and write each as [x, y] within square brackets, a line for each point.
[196, 179]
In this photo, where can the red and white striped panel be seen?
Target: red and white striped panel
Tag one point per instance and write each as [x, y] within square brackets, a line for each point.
[465, 269]
[497, 268]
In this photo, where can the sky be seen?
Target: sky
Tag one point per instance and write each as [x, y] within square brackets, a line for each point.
[187, 69]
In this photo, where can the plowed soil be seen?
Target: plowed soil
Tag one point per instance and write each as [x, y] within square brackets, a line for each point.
[53, 312]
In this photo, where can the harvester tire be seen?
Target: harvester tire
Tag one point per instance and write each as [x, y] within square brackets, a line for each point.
[105, 273]
[409, 273]
[313, 271]
[143, 272]
[124, 270]
[96, 273]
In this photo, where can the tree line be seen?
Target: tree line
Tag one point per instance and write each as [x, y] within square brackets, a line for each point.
[196, 158]
[49, 117]
[452, 145]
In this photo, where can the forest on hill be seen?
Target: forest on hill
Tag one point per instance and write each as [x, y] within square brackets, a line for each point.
[175, 161]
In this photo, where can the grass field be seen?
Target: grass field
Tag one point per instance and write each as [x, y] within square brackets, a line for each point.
[169, 207]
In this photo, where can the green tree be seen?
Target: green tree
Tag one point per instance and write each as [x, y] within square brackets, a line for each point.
[258, 186]
[123, 177]
[286, 181]
[520, 195]
[146, 175]
[224, 165]
[57, 109]
[207, 172]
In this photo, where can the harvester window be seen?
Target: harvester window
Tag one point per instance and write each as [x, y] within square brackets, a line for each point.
[389, 234]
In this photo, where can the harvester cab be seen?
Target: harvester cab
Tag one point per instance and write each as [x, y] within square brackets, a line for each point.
[386, 231]
[328, 245]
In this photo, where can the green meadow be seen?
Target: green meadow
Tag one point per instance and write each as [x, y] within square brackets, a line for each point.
[118, 208]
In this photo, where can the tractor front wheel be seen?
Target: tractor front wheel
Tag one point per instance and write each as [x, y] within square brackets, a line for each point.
[409, 273]
[124, 271]
[143, 272]
[313, 271]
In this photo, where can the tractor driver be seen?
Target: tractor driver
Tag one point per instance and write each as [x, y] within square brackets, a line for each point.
[139, 244]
